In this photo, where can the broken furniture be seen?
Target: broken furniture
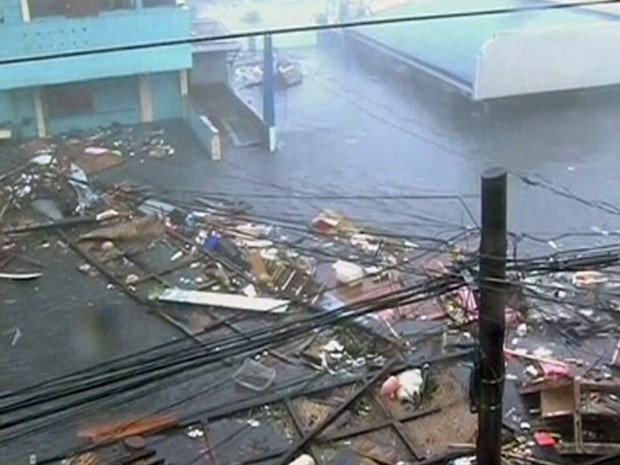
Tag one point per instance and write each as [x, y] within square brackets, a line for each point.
[583, 410]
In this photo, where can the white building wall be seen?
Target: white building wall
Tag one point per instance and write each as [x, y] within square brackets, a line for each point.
[526, 62]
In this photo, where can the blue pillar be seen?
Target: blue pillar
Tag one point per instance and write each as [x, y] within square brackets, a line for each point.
[138, 4]
[269, 112]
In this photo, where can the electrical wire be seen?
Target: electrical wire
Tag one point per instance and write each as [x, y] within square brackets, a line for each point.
[567, 193]
[231, 347]
[310, 28]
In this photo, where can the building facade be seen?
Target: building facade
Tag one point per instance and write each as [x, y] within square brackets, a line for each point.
[76, 64]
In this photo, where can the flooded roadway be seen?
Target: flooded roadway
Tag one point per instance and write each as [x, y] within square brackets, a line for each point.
[348, 131]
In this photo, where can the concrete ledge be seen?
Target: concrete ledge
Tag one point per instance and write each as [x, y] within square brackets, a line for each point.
[205, 131]
[252, 114]
[389, 52]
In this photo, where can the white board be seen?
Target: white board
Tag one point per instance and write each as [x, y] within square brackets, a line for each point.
[232, 301]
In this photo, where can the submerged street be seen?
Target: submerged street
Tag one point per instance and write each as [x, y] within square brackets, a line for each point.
[388, 148]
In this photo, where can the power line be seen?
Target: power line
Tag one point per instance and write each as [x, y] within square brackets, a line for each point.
[310, 28]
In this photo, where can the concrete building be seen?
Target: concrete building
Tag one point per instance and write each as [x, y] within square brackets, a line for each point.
[532, 47]
[46, 88]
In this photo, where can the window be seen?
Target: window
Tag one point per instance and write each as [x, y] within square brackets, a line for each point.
[48, 7]
[69, 100]
[77, 7]
[110, 5]
[154, 3]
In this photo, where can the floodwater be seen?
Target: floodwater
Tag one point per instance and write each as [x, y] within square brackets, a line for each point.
[350, 132]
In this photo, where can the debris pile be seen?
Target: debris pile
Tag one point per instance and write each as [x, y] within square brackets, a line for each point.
[386, 323]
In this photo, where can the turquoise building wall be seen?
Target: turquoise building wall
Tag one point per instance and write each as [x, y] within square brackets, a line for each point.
[38, 55]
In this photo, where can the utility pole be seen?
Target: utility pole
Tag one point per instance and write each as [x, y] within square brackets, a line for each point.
[492, 316]
[269, 111]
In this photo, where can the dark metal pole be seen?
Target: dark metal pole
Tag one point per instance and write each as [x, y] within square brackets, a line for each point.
[492, 316]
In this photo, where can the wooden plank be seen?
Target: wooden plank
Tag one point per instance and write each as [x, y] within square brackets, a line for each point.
[220, 300]
[586, 385]
[400, 430]
[588, 448]
[577, 424]
[559, 401]
[300, 445]
[545, 385]
[119, 429]
[364, 429]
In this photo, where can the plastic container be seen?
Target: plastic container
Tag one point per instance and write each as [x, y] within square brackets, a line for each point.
[254, 375]
[211, 242]
[348, 273]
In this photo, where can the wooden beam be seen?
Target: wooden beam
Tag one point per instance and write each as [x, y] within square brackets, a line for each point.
[577, 424]
[364, 429]
[587, 448]
[318, 429]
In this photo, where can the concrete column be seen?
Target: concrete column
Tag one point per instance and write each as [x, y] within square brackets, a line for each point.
[39, 113]
[184, 81]
[269, 111]
[139, 5]
[25, 10]
[146, 99]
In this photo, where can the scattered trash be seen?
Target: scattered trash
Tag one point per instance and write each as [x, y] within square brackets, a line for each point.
[390, 387]
[250, 291]
[333, 346]
[303, 460]
[107, 215]
[348, 273]
[20, 276]
[463, 461]
[521, 330]
[220, 300]
[139, 228]
[107, 246]
[544, 439]
[85, 268]
[195, 433]
[587, 279]
[16, 334]
[132, 279]
[254, 375]
[338, 263]
[411, 385]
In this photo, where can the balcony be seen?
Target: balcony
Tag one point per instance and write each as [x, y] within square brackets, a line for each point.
[55, 37]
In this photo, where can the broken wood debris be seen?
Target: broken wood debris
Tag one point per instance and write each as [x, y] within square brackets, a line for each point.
[216, 257]
[218, 300]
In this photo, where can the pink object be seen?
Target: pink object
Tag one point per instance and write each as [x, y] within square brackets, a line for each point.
[544, 439]
[512, 317]
[555, 370]
[468, 301]
[389, 387]
[388, 315]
